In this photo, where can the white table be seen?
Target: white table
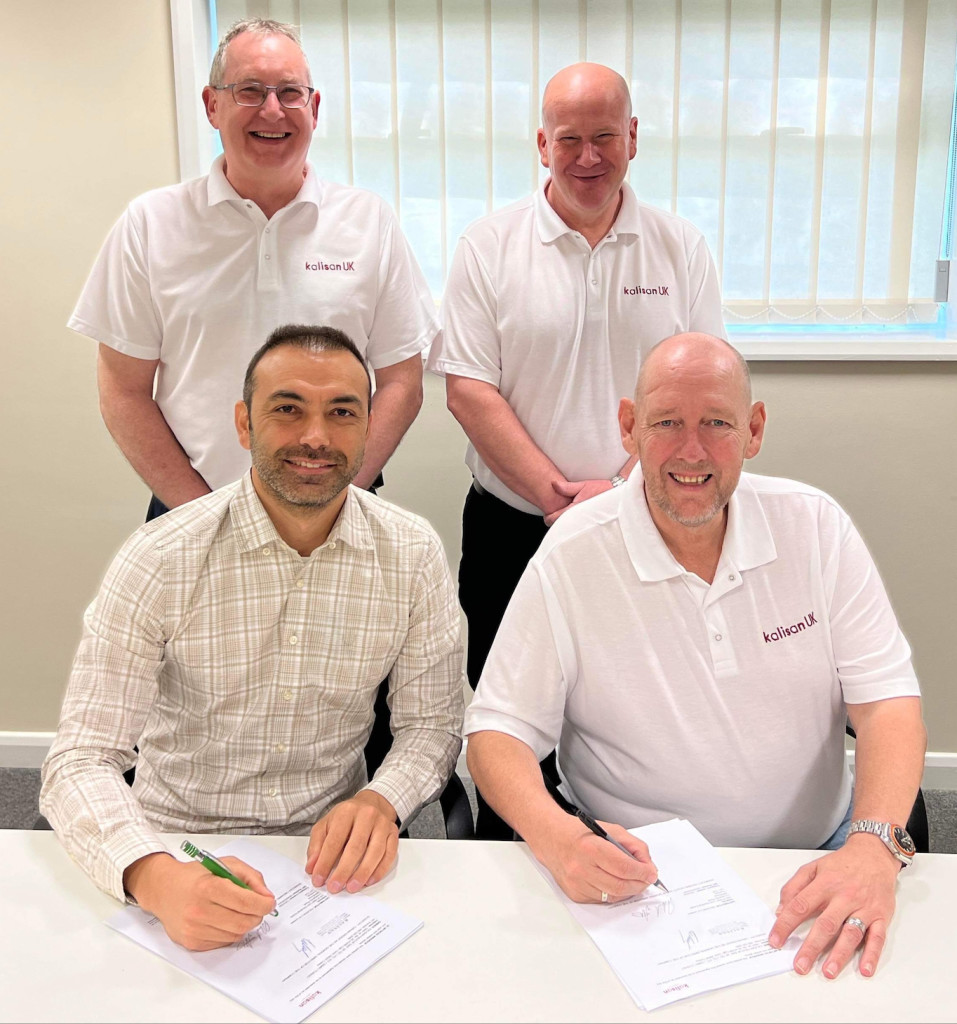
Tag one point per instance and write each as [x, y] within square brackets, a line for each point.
[496, 946]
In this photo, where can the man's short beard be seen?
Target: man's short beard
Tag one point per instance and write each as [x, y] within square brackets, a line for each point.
[662, 502]
[268, 467]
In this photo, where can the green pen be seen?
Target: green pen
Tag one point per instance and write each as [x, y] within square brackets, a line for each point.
[215, 865]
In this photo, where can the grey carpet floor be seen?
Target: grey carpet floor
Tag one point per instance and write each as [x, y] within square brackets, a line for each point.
[20, 787]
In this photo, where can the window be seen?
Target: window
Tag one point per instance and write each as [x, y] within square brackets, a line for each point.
[810, 140]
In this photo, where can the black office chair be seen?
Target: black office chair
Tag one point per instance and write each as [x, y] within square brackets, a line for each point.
[454, 801]
[917, 822]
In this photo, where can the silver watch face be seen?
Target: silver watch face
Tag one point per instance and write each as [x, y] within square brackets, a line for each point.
[903, 841]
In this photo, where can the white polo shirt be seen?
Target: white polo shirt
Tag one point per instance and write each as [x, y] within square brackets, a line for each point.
[197, 277]
[723, 704]
[560, 328]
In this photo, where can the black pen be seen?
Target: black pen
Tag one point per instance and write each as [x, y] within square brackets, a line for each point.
[589, 821]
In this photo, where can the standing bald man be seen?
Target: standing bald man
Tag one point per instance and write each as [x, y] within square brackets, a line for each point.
[549, 306]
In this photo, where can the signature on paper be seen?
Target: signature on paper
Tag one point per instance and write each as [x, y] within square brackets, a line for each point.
[303, 946]
[653, 910]
[250, 939]
[689, 938]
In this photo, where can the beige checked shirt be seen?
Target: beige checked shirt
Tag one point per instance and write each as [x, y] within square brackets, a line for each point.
[246, 674]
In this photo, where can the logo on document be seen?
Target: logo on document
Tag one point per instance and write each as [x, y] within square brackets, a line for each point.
[796, 627]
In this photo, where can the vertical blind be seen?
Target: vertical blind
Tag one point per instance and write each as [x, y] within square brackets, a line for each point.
[807, 139]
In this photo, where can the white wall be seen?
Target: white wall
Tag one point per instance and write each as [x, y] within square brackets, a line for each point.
[879, 437]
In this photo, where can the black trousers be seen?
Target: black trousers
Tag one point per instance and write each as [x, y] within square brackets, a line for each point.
[156, 509]
[497, 543]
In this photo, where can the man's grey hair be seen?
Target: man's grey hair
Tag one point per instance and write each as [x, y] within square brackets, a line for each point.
[259, 27]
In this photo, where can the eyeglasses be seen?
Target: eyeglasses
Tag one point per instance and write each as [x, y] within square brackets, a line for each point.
[253, 94]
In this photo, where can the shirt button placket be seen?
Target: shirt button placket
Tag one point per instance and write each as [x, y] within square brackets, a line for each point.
[268, 264]
[720, 642]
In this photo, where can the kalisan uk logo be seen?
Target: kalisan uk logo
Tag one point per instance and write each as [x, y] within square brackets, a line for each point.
[320, 265]
[797, 627]
[638, 289]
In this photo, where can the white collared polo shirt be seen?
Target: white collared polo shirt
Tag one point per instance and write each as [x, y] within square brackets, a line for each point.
[197, 277]
[560, 328]
[721, 703]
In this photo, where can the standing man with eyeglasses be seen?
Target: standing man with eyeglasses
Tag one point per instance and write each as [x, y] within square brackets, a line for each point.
[193, 276]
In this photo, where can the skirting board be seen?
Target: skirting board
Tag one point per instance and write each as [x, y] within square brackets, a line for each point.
[28, 749]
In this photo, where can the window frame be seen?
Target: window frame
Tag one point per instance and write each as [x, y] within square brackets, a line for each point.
[193, 30]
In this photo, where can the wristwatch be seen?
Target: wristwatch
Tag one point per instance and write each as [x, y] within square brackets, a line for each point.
[895, 837]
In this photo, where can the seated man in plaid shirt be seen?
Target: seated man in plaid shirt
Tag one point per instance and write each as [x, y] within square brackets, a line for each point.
[238, 642]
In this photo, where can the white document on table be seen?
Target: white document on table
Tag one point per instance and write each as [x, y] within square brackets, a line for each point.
[291, 964]
[710, 930]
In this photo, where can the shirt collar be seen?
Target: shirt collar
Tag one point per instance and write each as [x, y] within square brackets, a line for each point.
[218, 189]
[254, 529]
[748, 542]
[628, 221]
[551, 226]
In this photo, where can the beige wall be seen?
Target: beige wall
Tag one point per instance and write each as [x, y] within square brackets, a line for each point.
[878, 437]
[105, 132]
[881, 438]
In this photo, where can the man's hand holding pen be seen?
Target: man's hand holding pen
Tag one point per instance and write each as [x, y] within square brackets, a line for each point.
[198, 909]
[599, 830]
[590, 869]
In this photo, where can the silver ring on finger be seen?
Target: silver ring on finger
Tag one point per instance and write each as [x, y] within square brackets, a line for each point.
[857, 923]
[604, 896]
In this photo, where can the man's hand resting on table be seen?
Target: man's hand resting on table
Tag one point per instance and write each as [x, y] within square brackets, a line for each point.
[856, 881]
[354, 845]
[199, 910]
[585, 866]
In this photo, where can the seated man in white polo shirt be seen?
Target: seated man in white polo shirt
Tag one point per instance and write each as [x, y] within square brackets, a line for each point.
[239, 641]
[694, 642]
